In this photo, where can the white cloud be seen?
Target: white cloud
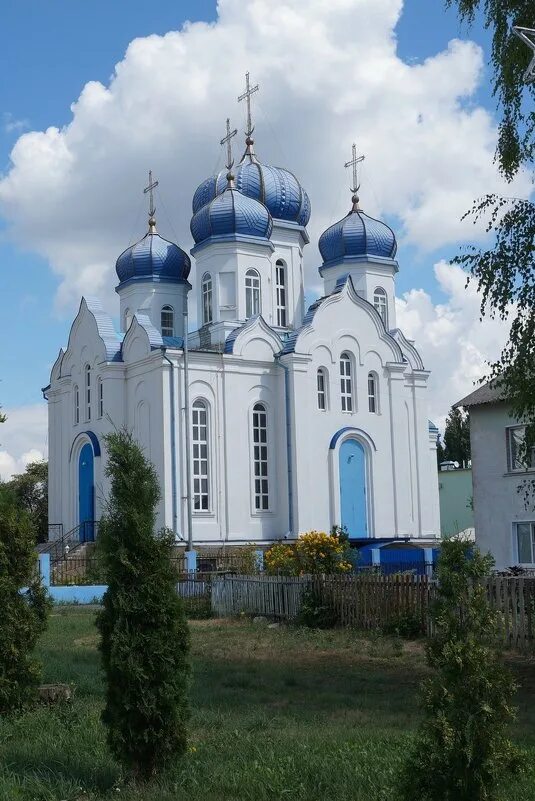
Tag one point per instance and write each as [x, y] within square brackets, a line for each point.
[455, 345]
[13, 125]
[23, 439]
[329, 74]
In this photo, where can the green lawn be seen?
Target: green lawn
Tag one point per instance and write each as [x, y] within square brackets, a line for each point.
[277, 714]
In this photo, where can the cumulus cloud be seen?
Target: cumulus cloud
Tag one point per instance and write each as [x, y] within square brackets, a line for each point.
[23, 439]
[452, 340]
[329, 73]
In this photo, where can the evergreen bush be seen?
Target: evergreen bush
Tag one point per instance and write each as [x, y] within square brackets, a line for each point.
[144, 634]
[23, 616]
[462, 751]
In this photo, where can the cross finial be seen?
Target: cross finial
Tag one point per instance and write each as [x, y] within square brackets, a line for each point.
[353, 163]
[152, 185]
[249, 90]
[227, 139]
[528, 37]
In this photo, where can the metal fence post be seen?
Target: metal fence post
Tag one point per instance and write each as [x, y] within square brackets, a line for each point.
[428, 558]
[191, 561]
[44, 569]
[259, 557]
[376, 556]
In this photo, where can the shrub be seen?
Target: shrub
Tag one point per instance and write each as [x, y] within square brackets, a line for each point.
[316, 612]
[314, 553]
[462, 751]
[144, 634]
[23, 616]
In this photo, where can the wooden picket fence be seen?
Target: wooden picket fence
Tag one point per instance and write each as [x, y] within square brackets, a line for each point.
[372, 602]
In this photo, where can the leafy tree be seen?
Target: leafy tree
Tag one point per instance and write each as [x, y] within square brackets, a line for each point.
[23, 617]
[505, 272]
[457, 437]
[462, 751]
[144, 634]
[30, 491]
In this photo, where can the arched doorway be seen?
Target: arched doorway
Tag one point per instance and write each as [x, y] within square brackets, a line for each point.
[353, 512]
[86, 493]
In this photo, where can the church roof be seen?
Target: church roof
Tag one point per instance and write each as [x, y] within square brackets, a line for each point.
[357, 235]
[231, 215]
[153, 258]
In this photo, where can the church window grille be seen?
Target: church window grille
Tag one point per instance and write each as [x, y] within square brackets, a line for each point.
[346, 383]
[280, 286]
[207, 305]
[322, 389]
[76, 405]
[372, 393]
[88, 392]
[167, 320]
[100, 397]
[380, 303]
[260, 458]
[199, 441]
[253, 303]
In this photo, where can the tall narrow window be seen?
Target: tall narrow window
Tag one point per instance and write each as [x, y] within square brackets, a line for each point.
[253, 303]
[206, 299]
[280, 286]
[372, 393]
[87, 392]
[346, 383]
[379, 301]
[167, 320]
[517, 458]
[76, 404]
[260, 458]
[525, 534]
[322, 389]
[100, 397]
[201, 486]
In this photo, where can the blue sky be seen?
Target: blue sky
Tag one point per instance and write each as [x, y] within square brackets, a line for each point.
[50, 50]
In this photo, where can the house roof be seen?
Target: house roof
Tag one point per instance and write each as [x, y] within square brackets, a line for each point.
[488, 393]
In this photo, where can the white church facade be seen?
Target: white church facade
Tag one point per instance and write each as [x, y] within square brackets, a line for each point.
[293, 420]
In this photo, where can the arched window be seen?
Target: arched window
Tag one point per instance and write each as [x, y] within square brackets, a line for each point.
[379, 301]
[346, 383]
[206, 289]
[373, 399]
[76, 404]
[253, 303]
[88, 392]
[199, 441]
[280, 288]
[322, 388]
[100, 397]
[260, 458]
[167, 320]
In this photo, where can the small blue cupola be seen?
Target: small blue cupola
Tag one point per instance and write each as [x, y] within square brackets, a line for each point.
[231, 217]
[153, 258]
[357, 236]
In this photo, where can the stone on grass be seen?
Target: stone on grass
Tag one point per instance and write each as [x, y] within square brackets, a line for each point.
[55, 693]
[260, 620]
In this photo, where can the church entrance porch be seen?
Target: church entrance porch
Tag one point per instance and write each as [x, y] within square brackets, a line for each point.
[86, 493]
[352, 465]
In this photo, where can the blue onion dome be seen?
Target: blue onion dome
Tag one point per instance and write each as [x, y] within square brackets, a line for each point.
[278, 189]
[231, 215]
[357, 236]
[153, 258]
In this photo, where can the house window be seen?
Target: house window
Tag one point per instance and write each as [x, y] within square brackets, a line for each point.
[372, 393]
[525, 537]
[260, 458]
[100, 397]
[516, 458]
[167, 320]
[201, 484]
[280, 285]
[76, 404]
[379, 301]
[346, 383]
[322, 389]
[206, 299]
[87, 392]
[252, 293]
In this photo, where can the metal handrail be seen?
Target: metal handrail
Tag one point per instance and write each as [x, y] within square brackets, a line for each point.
[70, 541]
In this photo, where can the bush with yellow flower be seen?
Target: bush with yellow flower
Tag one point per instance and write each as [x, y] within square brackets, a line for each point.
[314, 552]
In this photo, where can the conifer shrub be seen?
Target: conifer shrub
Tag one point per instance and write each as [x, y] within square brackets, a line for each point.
[144, 634]
[23, 615]
[462, 751]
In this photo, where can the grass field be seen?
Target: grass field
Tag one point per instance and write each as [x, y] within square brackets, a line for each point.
[277, 714]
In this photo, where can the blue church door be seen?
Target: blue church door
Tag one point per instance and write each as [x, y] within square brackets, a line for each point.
[353, 488]
[86, 494]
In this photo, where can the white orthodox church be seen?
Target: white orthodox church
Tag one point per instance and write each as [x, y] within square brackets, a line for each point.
[266, 421]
